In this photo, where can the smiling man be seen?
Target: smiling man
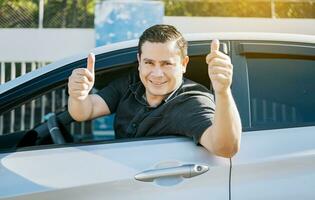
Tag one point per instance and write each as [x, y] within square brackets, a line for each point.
[156, 100]
[161, 68]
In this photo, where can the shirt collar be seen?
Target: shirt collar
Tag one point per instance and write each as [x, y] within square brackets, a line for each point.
[172, 95]
[138, 90]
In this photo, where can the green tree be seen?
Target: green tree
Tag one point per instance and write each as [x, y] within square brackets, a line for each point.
[80, 13]
[69, 14]
[18, 13]
[240, 8]
[295, 9]
[215, 8]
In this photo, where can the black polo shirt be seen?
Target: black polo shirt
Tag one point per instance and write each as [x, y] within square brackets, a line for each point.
[188, 111]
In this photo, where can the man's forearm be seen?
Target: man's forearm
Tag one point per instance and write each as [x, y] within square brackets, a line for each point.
[80, 110]
[227, 125]
[223, 136]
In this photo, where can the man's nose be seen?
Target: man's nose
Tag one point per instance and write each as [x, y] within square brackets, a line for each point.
[157, 71]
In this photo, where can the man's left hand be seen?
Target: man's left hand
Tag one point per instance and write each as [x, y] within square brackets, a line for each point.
[220, 69]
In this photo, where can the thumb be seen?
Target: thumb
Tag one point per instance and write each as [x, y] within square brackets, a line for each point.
[215, 44]
[91, 62]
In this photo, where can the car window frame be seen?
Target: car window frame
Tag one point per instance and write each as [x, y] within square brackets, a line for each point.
[35, 87]
[241, 49]
[105, 62]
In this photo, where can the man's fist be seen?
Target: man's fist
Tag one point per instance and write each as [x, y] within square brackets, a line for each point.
[220, 68]
[81, 80]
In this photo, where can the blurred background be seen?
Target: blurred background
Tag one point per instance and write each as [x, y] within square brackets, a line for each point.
[44, 31]
[80, 13]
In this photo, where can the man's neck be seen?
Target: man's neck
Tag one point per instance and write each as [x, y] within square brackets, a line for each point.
[152, 100]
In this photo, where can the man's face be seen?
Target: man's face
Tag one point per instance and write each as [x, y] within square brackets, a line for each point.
[161, 68]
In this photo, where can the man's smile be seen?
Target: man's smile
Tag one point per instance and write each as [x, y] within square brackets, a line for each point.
[157, 83]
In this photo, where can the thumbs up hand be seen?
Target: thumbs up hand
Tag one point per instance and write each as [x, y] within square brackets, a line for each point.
[81, 80]
[220, 69]
[91, 62]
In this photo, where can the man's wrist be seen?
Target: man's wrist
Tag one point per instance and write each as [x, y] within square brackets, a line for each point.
[77, 99]
[224, 94]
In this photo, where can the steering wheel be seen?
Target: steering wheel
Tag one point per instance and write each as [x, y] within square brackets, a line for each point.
[54, 130]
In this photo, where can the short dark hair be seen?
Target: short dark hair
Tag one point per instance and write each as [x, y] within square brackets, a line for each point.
[162, 33]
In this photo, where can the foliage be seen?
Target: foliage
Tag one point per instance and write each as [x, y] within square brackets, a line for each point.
[80, 13]
[69, 13]
[295, 10]
[57, 13]
[216, 8]
[240, 8]
[18, 14]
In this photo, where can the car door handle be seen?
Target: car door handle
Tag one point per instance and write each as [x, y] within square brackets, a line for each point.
[186, 171]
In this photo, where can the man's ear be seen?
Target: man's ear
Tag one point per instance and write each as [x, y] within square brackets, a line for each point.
[185, 63]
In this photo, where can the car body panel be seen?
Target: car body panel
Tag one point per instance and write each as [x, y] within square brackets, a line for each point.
[275, 164]
[108, 170]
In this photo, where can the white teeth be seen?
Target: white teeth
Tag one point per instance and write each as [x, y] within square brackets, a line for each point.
[156, 83]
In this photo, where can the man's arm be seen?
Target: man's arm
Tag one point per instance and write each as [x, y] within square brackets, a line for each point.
[81, 105]
[223, 137]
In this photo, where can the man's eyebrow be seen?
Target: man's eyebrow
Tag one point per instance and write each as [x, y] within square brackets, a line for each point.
[165, 61]
[161, 61]
[148, 59]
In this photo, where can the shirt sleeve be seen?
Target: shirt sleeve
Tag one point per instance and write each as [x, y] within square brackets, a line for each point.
[112, 93]
[196, 116]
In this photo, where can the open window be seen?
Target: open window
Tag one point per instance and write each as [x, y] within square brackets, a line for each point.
[47, 93]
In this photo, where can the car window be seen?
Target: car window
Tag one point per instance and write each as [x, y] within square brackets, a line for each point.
[282, 92]
[35, 111]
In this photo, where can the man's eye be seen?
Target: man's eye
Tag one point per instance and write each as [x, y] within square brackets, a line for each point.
[168, 64]
[148, 63]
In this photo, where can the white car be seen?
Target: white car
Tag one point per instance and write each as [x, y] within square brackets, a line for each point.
[274, 89]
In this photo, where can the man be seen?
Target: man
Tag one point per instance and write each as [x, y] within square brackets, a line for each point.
[157, 100]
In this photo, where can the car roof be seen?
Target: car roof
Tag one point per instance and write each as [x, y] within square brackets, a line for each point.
[255, 36]
[258, 36]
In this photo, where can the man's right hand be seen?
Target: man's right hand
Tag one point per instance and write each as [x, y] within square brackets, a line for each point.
[81, 80]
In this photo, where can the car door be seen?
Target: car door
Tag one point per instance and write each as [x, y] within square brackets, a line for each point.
[94, 168]
[277, 156]
[108, 171]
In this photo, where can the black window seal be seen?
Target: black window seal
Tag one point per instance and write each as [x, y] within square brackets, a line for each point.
[247, 48]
